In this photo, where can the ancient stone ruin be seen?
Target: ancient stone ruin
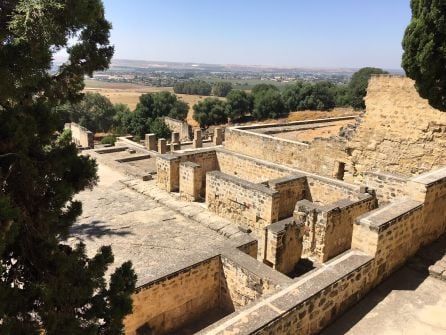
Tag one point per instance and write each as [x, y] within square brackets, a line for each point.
[305, 228]
[81, 136]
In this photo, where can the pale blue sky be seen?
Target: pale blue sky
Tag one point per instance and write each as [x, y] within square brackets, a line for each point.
[300, 33]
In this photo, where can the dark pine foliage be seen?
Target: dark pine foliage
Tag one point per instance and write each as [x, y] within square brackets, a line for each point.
[47, 286]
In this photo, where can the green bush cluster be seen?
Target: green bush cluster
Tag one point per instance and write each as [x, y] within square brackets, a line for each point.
[194, 87]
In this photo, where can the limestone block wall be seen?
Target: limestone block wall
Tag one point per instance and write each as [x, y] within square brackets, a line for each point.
[283, 247]
[181, 127]
[326, 191]
[222, 284]
[240, 285]
[81, 136]
[307, 305]
[430, 188]
[321, 156]
[253, 206]
[387, 186]
[391, 234]
[247, 168]
[166, 304]
[190, 181]
[382, 241]
[400, 132]
[168, 177]
[328, 229]
[291, 189]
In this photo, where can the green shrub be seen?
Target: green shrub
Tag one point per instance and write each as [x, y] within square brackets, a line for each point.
[108, 140]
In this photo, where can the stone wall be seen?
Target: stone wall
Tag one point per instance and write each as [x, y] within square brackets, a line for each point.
[291, 189]
[253, 206]
[382, 241]
[325, 191]
[387, 186]
[166, 304]
[328, 228]
[247, 168]
[321, 156]
[241, 285]
[401, 133]
[430, 188]
[181, 127]
[81, 136]
[191, 181]
[220, 284]
[168, 176]
[283, 245]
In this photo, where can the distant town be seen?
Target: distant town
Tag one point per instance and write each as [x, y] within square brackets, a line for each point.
[167, 74]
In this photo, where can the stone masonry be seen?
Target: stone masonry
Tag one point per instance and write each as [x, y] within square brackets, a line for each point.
[220, 239]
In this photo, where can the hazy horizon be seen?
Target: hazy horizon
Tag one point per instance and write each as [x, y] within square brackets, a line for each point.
[288, 34]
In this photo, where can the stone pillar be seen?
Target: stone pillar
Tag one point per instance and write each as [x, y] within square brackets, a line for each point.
[90, 139]
[218, 136]
[162, 145]
[174, 146]
[197, 142]
[150, 142]
[190, 181]
[175, 137]
[175, 142]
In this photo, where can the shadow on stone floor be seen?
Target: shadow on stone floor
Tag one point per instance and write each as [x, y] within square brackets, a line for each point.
[408, 278]
[431, 259]
[97, 228]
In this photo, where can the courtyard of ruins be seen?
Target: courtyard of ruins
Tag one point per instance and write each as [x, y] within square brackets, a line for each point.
[267, 229]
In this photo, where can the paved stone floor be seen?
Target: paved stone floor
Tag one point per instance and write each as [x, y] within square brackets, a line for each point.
[156, 238]
[431, 259]
[408, 303]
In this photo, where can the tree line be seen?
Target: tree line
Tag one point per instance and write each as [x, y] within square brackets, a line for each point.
[266, 101]
[200, 87]
[96, 113]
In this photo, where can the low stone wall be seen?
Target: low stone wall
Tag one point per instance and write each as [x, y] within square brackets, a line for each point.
[166, 304]
[181, 127]
[222, 284]
[244, 284]
[430, 189]
[321, 156]
[81, 136]
[253, 206]
[326, 191]
[247, 168]
[133, 158]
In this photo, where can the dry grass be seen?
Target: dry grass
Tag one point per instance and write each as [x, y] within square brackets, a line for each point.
[311, 115]
[310, 134]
